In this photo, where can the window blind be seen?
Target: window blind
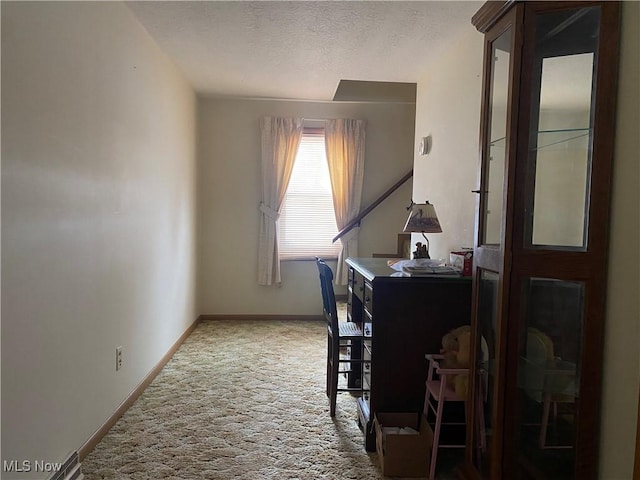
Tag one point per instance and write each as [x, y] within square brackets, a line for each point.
[307, 222]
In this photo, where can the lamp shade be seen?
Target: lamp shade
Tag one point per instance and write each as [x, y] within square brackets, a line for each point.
[422, 218]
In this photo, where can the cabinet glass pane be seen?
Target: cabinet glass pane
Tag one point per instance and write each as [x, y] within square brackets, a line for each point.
[549, 377]
[485, 368]
[497, 132]
[559, 163]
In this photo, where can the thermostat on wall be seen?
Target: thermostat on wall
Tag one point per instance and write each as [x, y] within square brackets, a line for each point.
[425, 145]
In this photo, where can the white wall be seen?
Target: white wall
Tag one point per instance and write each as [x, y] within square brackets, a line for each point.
[448, 107]
[622, 335]
[98, 218]
[229, 194]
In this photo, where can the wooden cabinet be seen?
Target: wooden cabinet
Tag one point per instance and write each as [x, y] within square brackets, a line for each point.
[541, 238]
[404, 318]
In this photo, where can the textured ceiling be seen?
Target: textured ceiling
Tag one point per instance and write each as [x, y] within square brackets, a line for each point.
[300, 50]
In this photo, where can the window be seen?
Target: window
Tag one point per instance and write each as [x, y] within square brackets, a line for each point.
[307, 221]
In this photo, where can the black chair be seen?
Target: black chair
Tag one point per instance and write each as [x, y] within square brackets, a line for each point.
[341, 336]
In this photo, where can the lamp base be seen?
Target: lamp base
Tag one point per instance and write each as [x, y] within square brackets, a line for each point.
[421, 251]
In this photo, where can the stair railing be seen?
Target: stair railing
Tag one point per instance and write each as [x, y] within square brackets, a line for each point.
[356, 221]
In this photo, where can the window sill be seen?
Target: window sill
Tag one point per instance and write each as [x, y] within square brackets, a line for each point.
[308, 259]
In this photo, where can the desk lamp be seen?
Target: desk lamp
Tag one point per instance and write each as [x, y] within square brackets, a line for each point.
[422, 219]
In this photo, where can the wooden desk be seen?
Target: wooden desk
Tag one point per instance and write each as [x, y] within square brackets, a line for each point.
[404, 318]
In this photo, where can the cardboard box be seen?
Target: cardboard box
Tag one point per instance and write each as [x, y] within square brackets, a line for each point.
[403, 455]
[463, 260]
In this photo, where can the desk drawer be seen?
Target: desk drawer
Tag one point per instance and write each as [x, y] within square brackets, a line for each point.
[368, 298]
[366, 364]
[368, 324]
[366, 376]
[366, 350]
[358, 285]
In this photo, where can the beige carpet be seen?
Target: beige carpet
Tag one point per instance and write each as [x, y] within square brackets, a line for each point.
[239, 400]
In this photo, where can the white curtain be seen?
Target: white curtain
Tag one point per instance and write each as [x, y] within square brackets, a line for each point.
[344, 141]
[280, 141]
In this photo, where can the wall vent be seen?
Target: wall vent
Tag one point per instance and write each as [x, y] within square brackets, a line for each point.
[70, 469]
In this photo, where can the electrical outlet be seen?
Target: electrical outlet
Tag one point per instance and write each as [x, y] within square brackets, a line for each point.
[118, 358]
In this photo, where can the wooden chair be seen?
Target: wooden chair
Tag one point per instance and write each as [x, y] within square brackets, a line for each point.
[339, 334]
[438, 393]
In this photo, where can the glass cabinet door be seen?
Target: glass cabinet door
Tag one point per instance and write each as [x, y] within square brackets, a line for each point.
[556, 315]
[498, 142]
[485, 371]
[561, 128]
[550, 349]
[489, 237]
[496, 148]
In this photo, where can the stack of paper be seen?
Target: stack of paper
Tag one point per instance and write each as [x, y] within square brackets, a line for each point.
[423, 266]
[435, 270]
